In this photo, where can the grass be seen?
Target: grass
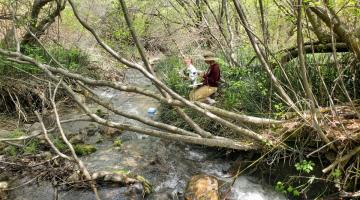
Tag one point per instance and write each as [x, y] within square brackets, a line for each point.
[31, 147]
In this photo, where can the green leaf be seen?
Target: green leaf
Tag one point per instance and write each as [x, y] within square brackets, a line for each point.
[290, 189]
[296, 193]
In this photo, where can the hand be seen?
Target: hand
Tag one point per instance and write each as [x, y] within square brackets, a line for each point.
[201, 73]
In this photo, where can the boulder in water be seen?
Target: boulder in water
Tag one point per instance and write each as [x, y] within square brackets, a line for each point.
[202, 187]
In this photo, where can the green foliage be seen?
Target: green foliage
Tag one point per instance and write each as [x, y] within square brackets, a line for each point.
[59, 144]
[322, 67]
[312, 3]
[16, 133]
[11, 150]
[336, 175]
[116, 31]
[246, 89]
[32, 147]
[72, 59]
[305, 166]
[168, 70]
[69, 20]
[84, 149]
[117, 143]
[282, 188]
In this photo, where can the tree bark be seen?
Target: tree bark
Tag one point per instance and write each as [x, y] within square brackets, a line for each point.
[38, 28]
[293, 53]
[304, 76]
[334, 23]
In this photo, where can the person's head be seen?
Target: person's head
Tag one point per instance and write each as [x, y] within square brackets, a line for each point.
[188, 61]
[209, 58]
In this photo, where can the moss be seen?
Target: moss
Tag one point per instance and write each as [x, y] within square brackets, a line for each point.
[84, 149]
[117, 143]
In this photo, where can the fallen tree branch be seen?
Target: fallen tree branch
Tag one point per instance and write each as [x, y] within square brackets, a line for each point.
[316, 48]
[34, 134]
[342, 159]
[81, 165]
[57, 151]
[350, 194]
[192, 124]
[144, 120]
[214, 142]
[242, 118]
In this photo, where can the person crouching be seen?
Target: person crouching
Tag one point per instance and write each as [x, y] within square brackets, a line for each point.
[210, 84]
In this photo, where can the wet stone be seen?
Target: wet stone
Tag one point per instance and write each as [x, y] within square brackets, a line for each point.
[34, 127]
[91, 130]
[110, 131]
[77, 139]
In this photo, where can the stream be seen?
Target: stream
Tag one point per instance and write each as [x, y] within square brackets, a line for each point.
[166, 164]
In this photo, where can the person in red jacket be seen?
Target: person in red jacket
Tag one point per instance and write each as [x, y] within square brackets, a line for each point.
[210, 81]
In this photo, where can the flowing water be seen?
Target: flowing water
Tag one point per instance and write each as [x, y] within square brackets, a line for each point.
[166, 164]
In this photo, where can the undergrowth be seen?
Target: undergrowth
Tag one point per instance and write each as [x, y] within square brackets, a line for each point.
[72, 59]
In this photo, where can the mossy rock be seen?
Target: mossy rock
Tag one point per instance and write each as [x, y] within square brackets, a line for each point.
[77, 139]
[117, 143]
[84, 149]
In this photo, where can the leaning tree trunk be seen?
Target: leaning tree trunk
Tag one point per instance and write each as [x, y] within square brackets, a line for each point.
[37, 28]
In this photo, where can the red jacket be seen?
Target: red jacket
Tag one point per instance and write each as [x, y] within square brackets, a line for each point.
[212, 76]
